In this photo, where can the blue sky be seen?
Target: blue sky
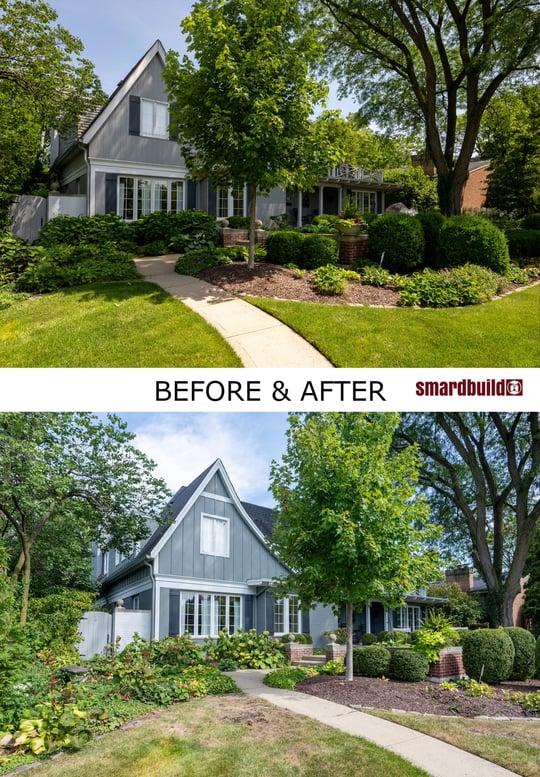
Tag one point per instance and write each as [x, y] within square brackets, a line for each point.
[184, 444]
[116, 33]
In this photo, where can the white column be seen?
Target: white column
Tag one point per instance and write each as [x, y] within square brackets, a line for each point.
[321, 199]
[299, 209]
[368, 618]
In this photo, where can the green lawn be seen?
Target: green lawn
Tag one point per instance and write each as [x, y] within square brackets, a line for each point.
[120, 324]
[502, 333]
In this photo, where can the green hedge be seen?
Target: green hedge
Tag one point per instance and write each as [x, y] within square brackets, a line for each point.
[199, 259]
[408, 665]
[432, 222]
[523, 243]
[524, 649]
[400, 238]
[473, 240]
[532, 221]
[81, 230]
[284, 246]
[369, 639]
[319, 251]
[371, 661]
[488, 655]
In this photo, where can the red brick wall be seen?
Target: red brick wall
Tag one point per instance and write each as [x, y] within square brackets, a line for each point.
[474, 193]
[295, 651]
[352, 248]
[333, 651]
[449, 665]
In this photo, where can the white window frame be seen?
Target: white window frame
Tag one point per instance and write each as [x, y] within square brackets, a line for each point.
[135, 602]
[209, 547]
[366, 201]
[125, 207]
[211, 620]
[408, 618]
[151, 125]
[285, 618]
[227, 201]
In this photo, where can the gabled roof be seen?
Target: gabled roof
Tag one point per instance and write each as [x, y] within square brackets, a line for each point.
[258, 518]
[123, 89]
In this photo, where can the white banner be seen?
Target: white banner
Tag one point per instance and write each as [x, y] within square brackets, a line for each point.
[269, 390]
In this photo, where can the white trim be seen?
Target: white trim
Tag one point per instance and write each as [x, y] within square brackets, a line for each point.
[124, 90]
[217, 497]
[82, 170]
[204, 586]
[227, 522]
[130, 590]
[142, 169]
[150, 101]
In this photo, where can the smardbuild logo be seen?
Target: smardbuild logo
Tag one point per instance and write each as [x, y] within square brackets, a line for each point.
[512, 387]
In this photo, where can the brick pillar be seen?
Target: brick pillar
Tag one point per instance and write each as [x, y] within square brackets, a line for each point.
[352, 247]
[295, 651]
[333, 650]
[448, 667]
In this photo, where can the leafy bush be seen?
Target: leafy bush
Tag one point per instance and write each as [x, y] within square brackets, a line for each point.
[432, 222]
[179, 230]
[63, 266]
[227, 665]
[333, 667]
[408, 665]
[156, 248]
[460, 608]
[371, 661]
[53, 621]
[436, 633]
[383, 636]
[530, 702]
[300, 639]
[286, 678]
[284, 246]
[241, 253]
[393, 638]
[318, 251]
[518, 275]
[369, 639]
[531, 221]
[332, 280]
[79, 230]
[400, 238]
[249, 649]
[523, 243]
[25, 684]
[537, 673]
[373, 275]
[524, 649]
[488, 655]
[53, 726]
[193, 262]
[15, 256]
[467, 285]
[238, 222]
[473, 240]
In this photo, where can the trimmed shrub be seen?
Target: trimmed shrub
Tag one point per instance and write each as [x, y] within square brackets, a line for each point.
[199, 259]
[176, 228]
[400, 238]
[369, 639]
[284, 246]
[523, 243]
[532, 221]
[383, 636]
[467, 285]
[474, 240]
[431, 221]
[524, 648]
[318, 251]
[408, 665]
[488, 655]
[371, 661]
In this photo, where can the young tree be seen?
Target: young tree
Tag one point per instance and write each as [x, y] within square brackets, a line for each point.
[426, 64]
[75, 471]
[242, 109]
[350, 526]
[481, 474]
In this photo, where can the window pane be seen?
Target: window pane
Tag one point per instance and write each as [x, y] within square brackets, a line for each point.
[154, 119]
[238, 202]
[278, 616]
[234, 614]
[160, 196]
[220, 613]
[125, 205]
[222, 203]
[177, 196]
[293, 615]
[214, 536]
[188, 625]
[144, 197]
[204, 610]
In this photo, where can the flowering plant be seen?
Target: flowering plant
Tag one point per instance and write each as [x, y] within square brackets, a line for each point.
[346, 222]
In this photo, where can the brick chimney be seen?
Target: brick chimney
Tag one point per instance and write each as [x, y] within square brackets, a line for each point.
[463, 576]
[427, 165]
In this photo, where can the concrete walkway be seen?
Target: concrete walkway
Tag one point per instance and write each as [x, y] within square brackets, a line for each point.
[435, 757]
[259, 339]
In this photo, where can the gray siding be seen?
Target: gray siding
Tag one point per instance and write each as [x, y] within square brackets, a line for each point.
[248, 557]
[113, 140]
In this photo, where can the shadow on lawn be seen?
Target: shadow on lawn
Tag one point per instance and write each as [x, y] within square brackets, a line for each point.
[118, 291]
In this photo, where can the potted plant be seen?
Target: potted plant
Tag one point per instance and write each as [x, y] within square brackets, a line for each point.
[350, 221]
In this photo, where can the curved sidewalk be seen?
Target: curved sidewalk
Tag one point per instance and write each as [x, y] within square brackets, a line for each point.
[259, 339]
[435, 757]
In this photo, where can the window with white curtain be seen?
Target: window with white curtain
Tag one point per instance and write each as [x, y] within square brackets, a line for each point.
[154, 119]
[205, 615]
[214, 536]
[139, 196]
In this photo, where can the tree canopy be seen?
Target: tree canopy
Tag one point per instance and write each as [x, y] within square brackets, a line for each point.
[69, 477]
[350, 524]
[241, 106]
[481, 473]
[433, 67]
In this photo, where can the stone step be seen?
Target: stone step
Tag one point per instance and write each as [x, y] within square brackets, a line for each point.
[310, 661]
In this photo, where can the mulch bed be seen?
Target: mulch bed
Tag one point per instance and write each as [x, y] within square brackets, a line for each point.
[427, 698]
[272, 280]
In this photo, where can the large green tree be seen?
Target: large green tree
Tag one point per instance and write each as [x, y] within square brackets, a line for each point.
[481, 471]
[433, 66]
[531, 606]
[510, 138]
[350, 523]
[241, 106]
[77, 473]
[45, 84]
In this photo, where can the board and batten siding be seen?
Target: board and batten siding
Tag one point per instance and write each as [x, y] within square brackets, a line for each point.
[248, 557]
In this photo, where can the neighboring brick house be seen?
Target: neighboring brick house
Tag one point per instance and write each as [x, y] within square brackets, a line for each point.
[474, 191]
[473, 584]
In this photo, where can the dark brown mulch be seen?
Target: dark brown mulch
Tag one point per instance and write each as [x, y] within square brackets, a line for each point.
[272, 280]
[427, 698]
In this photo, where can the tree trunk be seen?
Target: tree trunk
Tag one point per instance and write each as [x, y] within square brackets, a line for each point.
[450, 190]
[507, 608]
[26, 584]
[252, 217]
[349, 652]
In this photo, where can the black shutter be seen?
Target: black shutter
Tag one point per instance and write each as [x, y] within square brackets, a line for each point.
[110, 192]
[191, 200]
[134, 115]
[212, 200]
[248, 613]
[174, 613]
[248, 200]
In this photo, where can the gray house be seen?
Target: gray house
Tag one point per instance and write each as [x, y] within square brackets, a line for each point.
[122, 160]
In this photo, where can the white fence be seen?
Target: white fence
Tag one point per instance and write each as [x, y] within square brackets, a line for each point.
[29, 213]
[100, 629]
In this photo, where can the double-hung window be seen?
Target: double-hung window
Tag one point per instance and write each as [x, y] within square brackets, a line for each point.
[287, 615]
[154, 119]
[230, 202]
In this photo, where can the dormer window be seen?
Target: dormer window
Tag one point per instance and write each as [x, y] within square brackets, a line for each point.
[154, 119]
[214, 536]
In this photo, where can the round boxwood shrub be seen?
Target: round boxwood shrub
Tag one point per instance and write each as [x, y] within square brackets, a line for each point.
[400, 238]
[408, 665]
[369, 639]
[371, 661]
[284, 247]
[318, 251]
[238, 222]
[532, 221]
[525, 649]
[431, 221]
[475, 240]
[488, 655]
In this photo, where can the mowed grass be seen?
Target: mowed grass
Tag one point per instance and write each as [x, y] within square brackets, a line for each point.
[513, 744]
[231, 736]
[501, 333]
[118, 324]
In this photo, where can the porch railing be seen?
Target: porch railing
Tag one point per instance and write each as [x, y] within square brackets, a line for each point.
[346, 172]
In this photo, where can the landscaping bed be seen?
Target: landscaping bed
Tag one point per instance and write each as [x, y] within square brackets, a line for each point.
[424, 697]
